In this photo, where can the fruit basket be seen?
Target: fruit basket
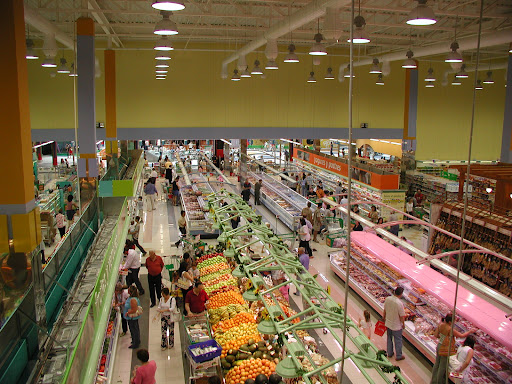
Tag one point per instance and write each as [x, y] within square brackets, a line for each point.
[204, 351]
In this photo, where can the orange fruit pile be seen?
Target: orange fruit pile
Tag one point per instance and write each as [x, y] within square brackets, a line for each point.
[237, 343]
[225, 298]
[249, 369]
[241, 318]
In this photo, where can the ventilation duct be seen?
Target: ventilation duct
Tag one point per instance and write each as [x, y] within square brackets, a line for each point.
[50, 46]
[332, 25]
[271, 50]
[242, 64]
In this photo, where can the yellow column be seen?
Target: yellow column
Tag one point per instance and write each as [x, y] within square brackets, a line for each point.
[19, 217]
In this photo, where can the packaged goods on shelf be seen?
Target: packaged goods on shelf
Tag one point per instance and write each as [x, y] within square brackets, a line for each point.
[374, 278]
[435, 188]
[483, 230]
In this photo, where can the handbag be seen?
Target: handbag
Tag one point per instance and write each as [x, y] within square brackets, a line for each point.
[176, 313]
[380, 328]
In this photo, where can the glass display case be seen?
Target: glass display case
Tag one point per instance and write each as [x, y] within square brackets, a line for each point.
[195, 207]
[373, 280]
[279, 199]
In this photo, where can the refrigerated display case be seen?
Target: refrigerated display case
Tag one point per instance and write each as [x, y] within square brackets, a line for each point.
[279, 199]
[377, 267]
[360, 191]
[195, 207]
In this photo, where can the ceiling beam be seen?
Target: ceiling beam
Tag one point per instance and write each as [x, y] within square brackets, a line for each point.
[33, 18]
[102, 20]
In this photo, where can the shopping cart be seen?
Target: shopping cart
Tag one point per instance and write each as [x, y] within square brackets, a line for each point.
[289, 240]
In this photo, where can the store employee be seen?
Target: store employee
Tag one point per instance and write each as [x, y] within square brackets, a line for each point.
[195, 301]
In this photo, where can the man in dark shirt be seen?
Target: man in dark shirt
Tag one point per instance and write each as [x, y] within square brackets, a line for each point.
[246, 191]
[257, 192]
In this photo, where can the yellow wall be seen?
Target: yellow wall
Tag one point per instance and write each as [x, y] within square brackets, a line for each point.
[194, 95]
[444, 118]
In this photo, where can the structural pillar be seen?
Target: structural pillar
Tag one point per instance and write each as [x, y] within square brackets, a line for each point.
[87, 161]
[111, 145]
[20, 226]
[506, 140]
[411, 106]
[243, 160]
[54, 153]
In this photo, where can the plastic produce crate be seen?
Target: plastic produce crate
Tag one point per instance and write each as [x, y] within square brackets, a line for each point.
[207, 356]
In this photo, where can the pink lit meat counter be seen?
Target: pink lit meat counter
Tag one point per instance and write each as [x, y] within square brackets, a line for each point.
[377, 268]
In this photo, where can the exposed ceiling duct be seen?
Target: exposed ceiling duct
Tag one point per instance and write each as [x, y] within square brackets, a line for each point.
[33, 18]
[488, 40]
[307, 14]
[332, 27]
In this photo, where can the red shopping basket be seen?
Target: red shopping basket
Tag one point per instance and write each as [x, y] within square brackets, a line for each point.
[380, 328]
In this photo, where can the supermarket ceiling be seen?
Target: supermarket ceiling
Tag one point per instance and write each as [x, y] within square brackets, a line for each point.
[123, 23]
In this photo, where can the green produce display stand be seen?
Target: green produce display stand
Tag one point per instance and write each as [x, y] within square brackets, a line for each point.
[321, 311]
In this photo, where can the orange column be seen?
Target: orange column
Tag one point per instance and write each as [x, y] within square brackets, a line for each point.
[19, 218]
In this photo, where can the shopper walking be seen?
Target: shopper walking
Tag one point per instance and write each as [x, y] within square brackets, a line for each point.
[303, 185]
[145, 372]
[134, 231]
[155, 265]
[318, 219]
[305, 236]
[373, 215]
[59, 218]
[257, 191]
[71, 208]
[394, 228]
[151, 193]
[246, 191]
[307, 212]
[409, 209]
[338, 191]
[445, 348]
[186, 278]
[120, 297]
[132, 312]
[394, 318]
[175, 191]
[166, 307]
[132, 265]
[182, 226]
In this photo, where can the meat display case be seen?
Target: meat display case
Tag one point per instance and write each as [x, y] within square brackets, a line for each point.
[360, 191]
[279, 199]
[193, 203]
[377, 267]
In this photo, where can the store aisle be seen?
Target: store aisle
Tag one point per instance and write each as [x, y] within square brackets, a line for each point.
[158, 233]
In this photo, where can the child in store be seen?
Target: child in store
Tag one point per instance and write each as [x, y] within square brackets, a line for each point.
[61, 226]
[366, 324]
[140, 206]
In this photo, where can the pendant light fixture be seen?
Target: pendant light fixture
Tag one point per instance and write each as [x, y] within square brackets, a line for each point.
[256, 70]
[489, 79]
[311, 78]
[359, 34]
[161, 64]
[430, 84]
[462, 74]
[478, 85]
[162, 55]
[454, 56]
[161, 71]
[430, 77]
[31, 53]
[245, 73]
[271, 64]
[422, 14]
[380, 80]
[375, 68]
[72, 72]
[329, 75]
[63, 68]
[236, 76]
[291, 57]
[168, 5]
[347, 72]
[409, 63]
[163, 44]
[166, 26]
[456, 81]
[318, 48]
[49, 62]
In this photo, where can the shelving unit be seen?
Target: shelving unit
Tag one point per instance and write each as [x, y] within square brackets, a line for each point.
[373, 278]
[279, 199]
[432, 185]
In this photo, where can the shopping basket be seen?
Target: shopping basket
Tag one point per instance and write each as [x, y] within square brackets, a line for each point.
[380, 328]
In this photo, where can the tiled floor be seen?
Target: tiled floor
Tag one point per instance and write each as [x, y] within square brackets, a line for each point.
[159, 233]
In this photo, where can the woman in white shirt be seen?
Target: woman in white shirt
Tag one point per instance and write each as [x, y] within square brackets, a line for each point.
[166, 307]
[366, 325]
[460, 362]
